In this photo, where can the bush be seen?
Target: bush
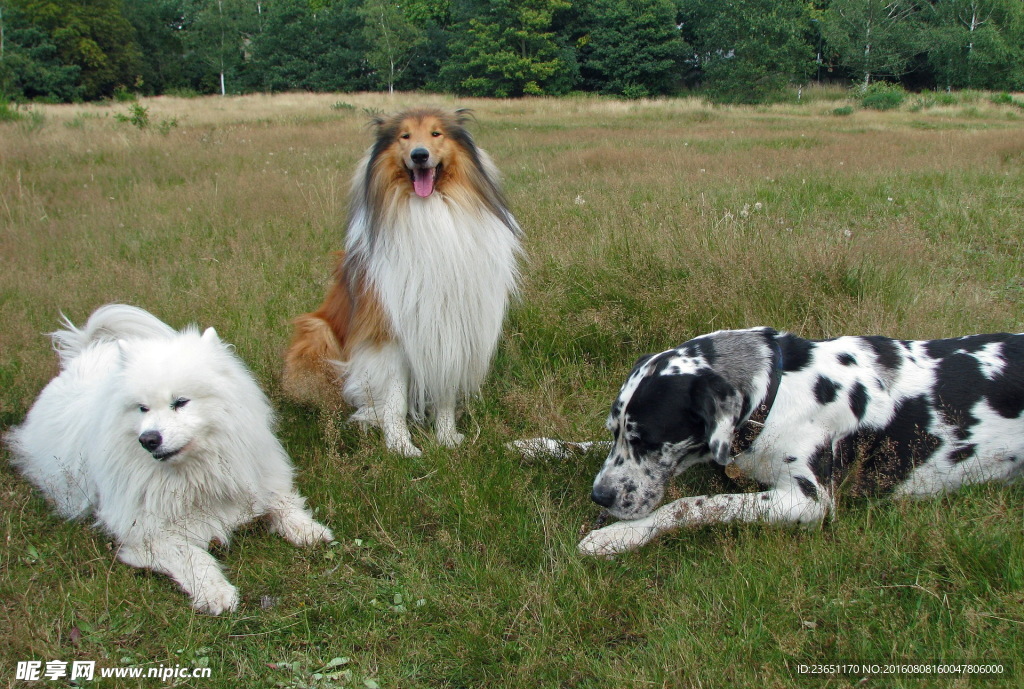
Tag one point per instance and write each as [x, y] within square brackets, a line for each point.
[123, 95]
[882, 95]
[635, 92]
[7, 113]
[843, 111]
[138, 115]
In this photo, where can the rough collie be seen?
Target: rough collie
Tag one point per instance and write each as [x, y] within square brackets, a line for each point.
[416, 304]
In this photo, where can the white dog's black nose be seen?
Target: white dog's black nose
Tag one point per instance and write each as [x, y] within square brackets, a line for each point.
[605, 497]
[151, 440]
[420, 156]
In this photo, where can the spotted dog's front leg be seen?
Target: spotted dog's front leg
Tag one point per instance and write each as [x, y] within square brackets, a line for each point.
[790, 505]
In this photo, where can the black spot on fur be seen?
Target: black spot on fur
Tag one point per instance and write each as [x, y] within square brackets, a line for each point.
[961, 453]
[825, 390]
[847, 359]
[859, 401]
[886, 352]
[700, 348]
[821, 464]
[796, 352]
[886, 457]
[1006, 390]
[959, 385]
[807, 487]
[660, 363]
[766, 497]
[939, 349]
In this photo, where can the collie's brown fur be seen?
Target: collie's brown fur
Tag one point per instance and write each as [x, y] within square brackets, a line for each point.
[323, 339]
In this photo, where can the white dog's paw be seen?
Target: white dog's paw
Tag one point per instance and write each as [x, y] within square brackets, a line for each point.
[216, 598]
[617, 538]
[300, 530]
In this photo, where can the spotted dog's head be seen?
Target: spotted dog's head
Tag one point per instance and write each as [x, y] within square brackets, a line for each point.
[677, 409]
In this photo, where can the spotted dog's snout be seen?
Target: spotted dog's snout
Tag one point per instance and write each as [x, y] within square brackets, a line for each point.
[604, 496]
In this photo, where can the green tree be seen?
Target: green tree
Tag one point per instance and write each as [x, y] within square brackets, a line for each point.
[874, 38]
[158, 30]
[392, 39]
[218, 32]
[630, 47]
[92, 35]
[508, 48]
[313, 48]
[973, 43]
[749, 50]
[30, 67]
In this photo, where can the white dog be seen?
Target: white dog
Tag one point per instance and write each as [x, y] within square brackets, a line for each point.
[165, 438]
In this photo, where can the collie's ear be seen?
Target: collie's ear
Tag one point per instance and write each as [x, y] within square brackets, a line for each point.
[463, 115]
[377, 120]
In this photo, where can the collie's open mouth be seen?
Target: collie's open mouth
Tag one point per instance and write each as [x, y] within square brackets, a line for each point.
[423, 179]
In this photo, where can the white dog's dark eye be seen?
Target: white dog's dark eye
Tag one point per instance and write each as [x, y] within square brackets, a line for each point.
[179, 403]
[143, 408]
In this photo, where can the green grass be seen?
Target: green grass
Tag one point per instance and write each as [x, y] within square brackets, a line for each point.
[648, 222]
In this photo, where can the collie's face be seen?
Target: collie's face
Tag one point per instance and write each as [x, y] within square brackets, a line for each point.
[423, 149]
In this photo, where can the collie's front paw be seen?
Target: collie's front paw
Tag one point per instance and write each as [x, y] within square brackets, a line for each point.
[450, 438]
[403, 446]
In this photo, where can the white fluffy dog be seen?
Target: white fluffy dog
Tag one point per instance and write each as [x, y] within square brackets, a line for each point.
[167, 440]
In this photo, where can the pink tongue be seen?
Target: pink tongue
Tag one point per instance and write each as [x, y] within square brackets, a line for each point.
[423, 181]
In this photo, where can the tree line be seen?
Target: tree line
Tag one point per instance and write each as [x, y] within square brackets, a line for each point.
[729, 50]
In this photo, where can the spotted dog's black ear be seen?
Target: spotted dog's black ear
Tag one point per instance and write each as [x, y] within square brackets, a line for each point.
[719, 405]
[641, 361]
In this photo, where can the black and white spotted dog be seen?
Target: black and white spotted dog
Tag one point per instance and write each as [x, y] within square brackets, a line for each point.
[879, 416]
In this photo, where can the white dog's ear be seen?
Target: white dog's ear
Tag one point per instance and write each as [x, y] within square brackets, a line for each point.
[210, 335]
[720, 406]
[124, 348]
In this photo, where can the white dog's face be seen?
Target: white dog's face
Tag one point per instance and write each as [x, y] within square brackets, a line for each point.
[167, 424]
[170, 403]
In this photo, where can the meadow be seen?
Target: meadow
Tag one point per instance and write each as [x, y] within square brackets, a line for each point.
[647, 223]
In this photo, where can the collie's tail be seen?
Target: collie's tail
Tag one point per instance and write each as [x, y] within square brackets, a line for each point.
[313, 363]
[107, 323]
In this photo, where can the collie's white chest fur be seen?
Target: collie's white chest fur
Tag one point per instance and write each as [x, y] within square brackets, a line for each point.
[444, 276]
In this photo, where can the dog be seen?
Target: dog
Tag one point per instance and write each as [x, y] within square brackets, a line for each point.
[416, 304]
[867, 415]
[166, 439]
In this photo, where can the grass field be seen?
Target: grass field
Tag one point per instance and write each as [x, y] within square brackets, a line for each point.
[647, 223]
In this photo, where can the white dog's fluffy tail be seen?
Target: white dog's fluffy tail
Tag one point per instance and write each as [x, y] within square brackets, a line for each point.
[107, 323]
